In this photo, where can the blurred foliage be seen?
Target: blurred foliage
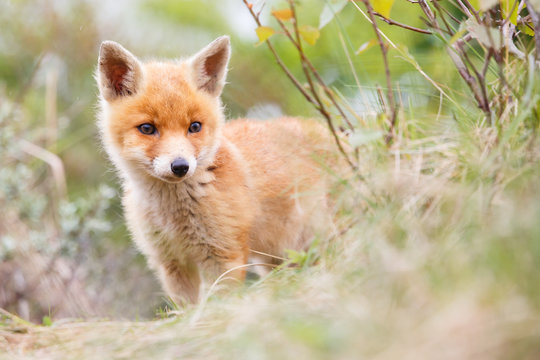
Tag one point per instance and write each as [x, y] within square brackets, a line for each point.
[48, 52]
[438, 246]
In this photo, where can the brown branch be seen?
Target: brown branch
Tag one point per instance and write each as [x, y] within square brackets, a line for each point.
[535, 17]
[459, 56]
[448, 13]
[297, 84]
[484, 105]
[322, 110]
[278, 58]
[487, 59]
[471, 9]
[389, 91]
[405, 26]
[440, 10]
[429, 13]
[305, 61]
[298, 46]
[456, 54]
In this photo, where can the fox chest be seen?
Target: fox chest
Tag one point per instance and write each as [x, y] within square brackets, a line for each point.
[177, 223]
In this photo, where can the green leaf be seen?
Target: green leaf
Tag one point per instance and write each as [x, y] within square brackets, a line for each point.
[475, 4]
[510, 9]
[461, 31]
[263, 33]
[383, 7]
[296, 257]
[47, 321]
[525, 29]
[330, 10]
[309, 33]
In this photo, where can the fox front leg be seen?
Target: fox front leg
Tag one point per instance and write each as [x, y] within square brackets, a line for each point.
[224, 271]
[181, 281]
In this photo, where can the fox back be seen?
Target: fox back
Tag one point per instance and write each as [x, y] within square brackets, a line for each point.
[202, 197]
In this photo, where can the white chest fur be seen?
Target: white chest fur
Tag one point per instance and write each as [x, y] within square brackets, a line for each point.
[169, 221]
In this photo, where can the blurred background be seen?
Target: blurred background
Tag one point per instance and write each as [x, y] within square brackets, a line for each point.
[64, 249]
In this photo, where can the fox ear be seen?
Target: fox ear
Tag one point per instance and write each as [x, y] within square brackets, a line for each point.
[119, 71]
[210, 66]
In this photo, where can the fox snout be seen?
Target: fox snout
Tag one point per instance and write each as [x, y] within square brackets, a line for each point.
[173, 167]
[180, 167]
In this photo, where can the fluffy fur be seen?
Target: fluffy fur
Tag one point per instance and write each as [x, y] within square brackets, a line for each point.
[250, 185]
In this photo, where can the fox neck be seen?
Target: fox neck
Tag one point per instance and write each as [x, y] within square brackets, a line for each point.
[171, 209]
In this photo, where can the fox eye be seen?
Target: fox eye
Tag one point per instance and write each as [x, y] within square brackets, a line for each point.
[195, 127]
[147, 129]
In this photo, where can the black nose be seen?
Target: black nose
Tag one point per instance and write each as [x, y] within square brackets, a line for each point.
[179, 167]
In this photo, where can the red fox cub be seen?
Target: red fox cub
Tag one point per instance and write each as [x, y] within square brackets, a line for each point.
[201, 196]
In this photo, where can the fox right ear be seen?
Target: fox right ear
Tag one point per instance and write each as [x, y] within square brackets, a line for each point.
[210, 65]
[119, 71]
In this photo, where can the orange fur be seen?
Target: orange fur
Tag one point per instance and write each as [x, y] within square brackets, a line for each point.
[254, 186]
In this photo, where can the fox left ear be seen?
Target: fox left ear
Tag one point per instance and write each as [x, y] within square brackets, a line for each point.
[210, 66]
[119, 72]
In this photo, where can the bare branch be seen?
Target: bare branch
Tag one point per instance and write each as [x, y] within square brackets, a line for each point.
[389, 91]
[278, 58]
[316, 102]
[468, 9]
[535, 17]
[459, 56]
[306, 62]
[56, 164]
[405, 26]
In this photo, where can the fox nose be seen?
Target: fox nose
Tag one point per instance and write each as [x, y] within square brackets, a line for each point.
[179, 167]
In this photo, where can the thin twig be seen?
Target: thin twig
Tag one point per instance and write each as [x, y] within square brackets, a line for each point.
[56, 164]
[412, 61]
[446, 24]
[535, 18]
[456, 55]
[200, 308]
[306, 62]
[405, 26]
[278, 58]
[322, 110]
[448, 13]
[480, 79]
[464, 8]
[471, 9]
[298, 45]
[389, 90]
[357, 81]
[459, 57]
[487, 59]
[269, 255]
[317, 105]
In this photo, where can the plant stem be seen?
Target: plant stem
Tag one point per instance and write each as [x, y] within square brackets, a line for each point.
[389, 91]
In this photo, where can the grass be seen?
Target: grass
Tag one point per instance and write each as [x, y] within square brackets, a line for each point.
[441, 263]
[436, 255]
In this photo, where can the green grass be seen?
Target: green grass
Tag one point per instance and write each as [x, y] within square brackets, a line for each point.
[442, 262]
[436, 254]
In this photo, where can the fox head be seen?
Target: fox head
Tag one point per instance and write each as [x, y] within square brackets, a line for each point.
[161, 119]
